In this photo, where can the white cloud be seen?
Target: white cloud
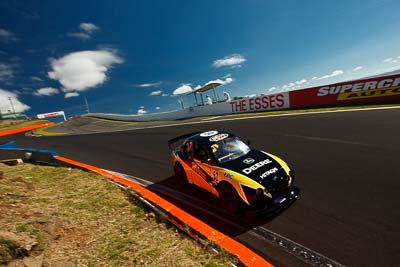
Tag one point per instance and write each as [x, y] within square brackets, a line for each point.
[88, 27]
[273, 88]
[87, 30]
[6, 72]
[141, 111]
[165, 95]
[183, 89]
[303, 81]
[6, 105]
[46, 91]
[155, 93]
[231, 60]
[293, 85]
[333, 74]
[250, 96]
[79, 71]
[158, 108]
[34, 78]
[358, 68]
[79, 35]
[145, 85]
[226, 81]
[71, 94]
[197, 87]
[7, 36]
[391, 60]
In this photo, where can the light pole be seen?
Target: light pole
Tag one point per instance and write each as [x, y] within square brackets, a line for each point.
[181, 102]
[87, 105]
[12, 106]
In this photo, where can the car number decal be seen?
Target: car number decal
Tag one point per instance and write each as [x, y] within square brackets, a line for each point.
[208, 134]
[218, 137]
[214, 148]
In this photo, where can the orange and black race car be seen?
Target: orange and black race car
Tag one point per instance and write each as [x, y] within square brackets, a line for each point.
[244, 179]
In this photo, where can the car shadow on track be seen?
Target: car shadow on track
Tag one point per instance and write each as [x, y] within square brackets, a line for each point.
[205, 207]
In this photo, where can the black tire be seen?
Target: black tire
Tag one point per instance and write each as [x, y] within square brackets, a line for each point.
[180, 175]
[229, 199]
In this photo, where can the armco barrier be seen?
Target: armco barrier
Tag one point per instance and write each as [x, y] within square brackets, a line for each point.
[175, 215]
[26, 129]
[10, 151]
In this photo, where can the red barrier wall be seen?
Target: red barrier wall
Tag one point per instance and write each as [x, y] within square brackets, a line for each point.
[384, 88]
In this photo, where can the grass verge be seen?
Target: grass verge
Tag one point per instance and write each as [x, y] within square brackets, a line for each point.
[13, 124]
[61, 216]
[42, 131]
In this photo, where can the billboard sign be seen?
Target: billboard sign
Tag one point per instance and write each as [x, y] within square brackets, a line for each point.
[51, 115]
[260, 103]
[366, 90]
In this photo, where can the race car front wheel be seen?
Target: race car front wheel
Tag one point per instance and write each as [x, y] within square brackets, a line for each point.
[180, 175]
[229, 199]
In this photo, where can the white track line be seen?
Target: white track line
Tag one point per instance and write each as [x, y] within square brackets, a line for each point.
[241, 118]
[211, 118]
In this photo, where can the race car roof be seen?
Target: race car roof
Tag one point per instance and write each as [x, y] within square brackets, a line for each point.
[210, 137]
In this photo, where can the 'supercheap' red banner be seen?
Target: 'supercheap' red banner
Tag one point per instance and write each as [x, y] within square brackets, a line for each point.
[376, 89]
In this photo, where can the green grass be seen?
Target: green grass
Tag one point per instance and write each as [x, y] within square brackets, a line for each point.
[42, 131]
[14, 124]
[34, 231]
[8, 244]
[79, 216]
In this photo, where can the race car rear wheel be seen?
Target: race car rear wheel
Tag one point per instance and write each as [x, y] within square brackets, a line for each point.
[180, 175]
[229, 198]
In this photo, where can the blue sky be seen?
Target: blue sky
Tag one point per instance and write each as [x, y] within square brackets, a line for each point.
[122, 55]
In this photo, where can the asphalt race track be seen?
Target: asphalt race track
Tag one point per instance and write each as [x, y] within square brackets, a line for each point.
[347, 165]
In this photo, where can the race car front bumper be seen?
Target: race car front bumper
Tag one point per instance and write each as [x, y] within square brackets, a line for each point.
[275, 205]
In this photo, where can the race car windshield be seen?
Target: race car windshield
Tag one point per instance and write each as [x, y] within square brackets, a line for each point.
[229, 149]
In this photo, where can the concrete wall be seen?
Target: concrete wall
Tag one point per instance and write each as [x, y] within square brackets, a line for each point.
[261, 103]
